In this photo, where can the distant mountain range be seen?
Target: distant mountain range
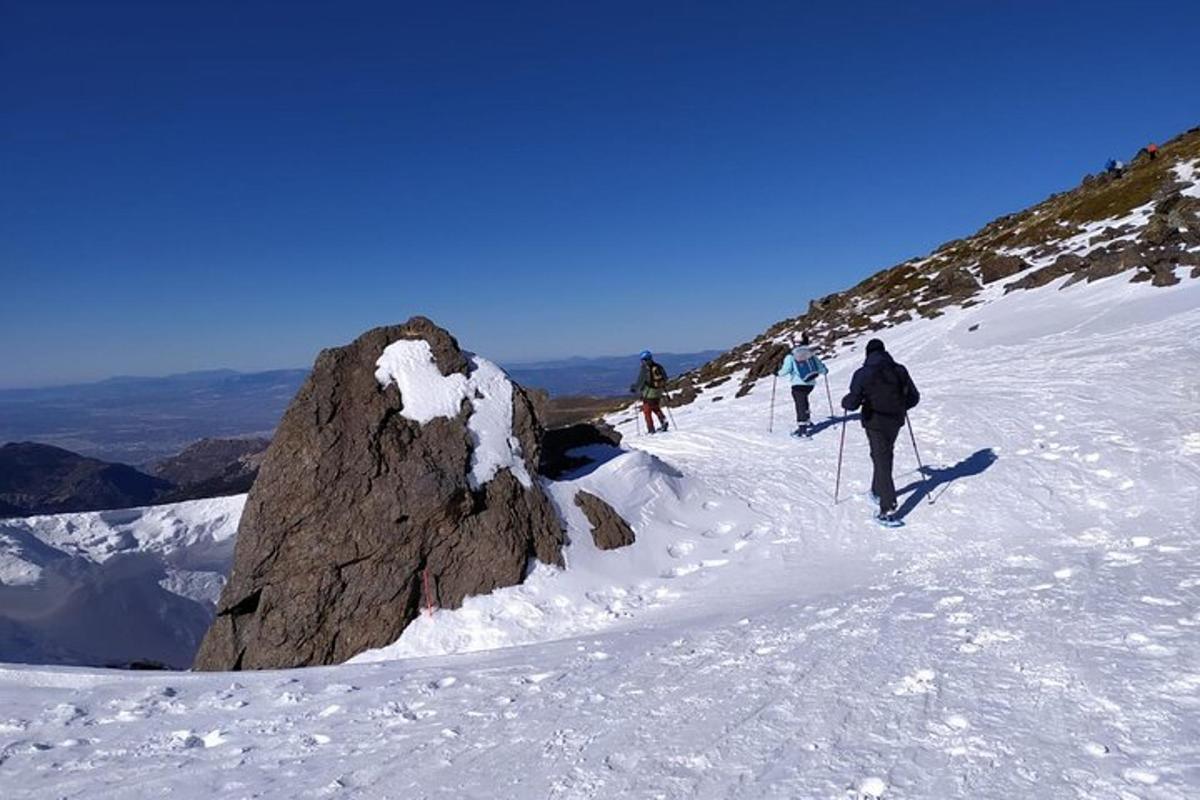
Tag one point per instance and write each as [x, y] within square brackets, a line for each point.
[140, 421]
[43, 479]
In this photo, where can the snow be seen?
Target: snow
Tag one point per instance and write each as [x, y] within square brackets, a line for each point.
[426, 394]
[1032, 632]
[114, 586]
[1188, 172]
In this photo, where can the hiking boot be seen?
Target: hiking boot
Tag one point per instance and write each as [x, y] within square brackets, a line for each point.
[664, 427]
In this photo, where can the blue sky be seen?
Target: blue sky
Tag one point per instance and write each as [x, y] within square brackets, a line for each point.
[189, 185]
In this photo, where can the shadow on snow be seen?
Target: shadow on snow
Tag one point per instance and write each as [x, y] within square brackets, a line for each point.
[972, 465]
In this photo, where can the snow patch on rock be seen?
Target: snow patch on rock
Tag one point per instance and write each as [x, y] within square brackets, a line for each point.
[428, 394]
[1189, 172]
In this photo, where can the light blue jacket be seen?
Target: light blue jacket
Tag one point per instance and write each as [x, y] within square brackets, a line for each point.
[800, 364]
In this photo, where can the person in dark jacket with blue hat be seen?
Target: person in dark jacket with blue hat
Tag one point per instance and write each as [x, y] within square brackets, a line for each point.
[885, 392]
[651, 385]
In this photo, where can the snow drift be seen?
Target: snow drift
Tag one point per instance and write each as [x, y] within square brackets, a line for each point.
[114, 587]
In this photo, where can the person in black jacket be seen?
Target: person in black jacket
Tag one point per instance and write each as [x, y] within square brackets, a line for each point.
[885, 392]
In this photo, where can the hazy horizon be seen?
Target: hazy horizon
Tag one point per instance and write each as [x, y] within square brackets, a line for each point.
[195, 185]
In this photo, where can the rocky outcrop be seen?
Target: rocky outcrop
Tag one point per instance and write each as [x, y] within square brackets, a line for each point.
[1144, 224]
[377, 485]
[609, 529]
[994, 268]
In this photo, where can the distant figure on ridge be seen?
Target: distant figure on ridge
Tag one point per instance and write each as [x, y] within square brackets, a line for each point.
[1114, 167]
[1152, 151]
[885, 392]
[650, 384]
[804, 369]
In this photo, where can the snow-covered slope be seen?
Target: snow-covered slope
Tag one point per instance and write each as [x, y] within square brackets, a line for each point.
[1032, 632]
[113, 587]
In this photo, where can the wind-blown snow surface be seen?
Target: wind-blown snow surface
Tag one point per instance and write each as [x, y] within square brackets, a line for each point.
[1032, 632]
[111, 587]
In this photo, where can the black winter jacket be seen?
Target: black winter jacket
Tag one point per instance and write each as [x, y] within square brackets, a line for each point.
[858, 396]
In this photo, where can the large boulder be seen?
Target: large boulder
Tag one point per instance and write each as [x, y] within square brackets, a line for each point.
[997, 267]
[403, 473]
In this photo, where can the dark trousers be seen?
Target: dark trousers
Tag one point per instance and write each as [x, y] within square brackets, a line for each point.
[883, 447]
[652, 405]
[800, 396]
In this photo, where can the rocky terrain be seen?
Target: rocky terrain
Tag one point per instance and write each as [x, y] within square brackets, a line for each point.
[399, 478]
[1144, 221]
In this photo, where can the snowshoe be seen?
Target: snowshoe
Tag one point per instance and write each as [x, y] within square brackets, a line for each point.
[664, 427]
[888, 520]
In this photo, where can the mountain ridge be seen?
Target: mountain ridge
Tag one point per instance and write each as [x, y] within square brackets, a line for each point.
[1144, 219]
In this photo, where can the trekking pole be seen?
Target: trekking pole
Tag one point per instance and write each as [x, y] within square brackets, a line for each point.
[829, 395]
[920, 466]
[637, 418]
[841, 446]
[671, 414]
[771, 419]
[908, 422]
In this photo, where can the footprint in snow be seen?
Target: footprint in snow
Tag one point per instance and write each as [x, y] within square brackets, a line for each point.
[1142, 776]
[920, 682]
[871, 788]
[681, 549]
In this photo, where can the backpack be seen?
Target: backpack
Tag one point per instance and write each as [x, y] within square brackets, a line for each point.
[658, 376]
[886, 391]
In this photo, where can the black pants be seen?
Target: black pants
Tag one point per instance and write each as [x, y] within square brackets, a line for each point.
[800, 396]
[883, 447]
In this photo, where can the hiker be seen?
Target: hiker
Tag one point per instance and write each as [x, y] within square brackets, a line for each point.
[885, 392]
[1152, 151]
[804, 369]
[1114, 167]
[651, 383]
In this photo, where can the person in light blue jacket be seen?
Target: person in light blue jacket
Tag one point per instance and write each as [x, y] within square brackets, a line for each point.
[803, 367]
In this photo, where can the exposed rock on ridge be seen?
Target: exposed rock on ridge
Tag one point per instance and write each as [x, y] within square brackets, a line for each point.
[1145, 221]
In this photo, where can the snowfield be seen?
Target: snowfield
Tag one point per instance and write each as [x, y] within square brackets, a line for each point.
[1033, 631]
[113, 587]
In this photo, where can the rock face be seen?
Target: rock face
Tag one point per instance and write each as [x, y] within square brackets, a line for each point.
[374, 497]
[609, 529]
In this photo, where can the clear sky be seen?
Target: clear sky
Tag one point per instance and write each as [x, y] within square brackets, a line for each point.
[188, 185]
